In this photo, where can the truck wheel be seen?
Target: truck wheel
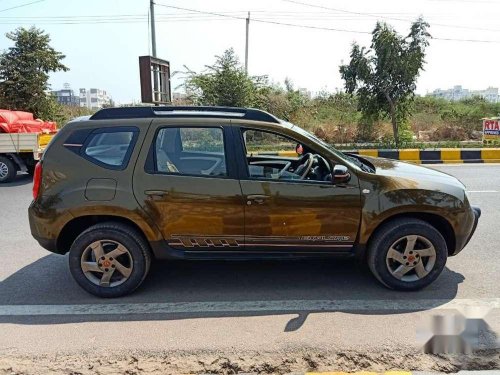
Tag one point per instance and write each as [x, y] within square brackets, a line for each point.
[109, 259]
[8, 170]
[407, 254]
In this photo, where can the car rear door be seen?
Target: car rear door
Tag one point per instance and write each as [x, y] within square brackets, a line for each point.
[186, 181]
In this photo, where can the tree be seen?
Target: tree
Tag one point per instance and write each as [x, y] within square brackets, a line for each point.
[384, 76]
[226, 84]
[24, 72]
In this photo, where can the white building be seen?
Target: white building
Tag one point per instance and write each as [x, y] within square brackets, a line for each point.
[94, 98]
[458, 93]
[490, 94]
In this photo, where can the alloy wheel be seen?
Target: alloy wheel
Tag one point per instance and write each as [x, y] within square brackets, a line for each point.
[411, 258]
[106, 263]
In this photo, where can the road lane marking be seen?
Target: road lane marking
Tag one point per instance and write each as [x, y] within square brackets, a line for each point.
[289, 306]
[482, 191]
[462, 164]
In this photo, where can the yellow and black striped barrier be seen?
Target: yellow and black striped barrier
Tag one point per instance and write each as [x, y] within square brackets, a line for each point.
[438, 156]
[426, 156]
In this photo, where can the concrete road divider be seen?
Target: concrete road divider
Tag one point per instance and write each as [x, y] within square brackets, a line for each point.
[439, 155]
[426, 156]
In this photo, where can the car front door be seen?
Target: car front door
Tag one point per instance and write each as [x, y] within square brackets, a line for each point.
[292, 214]
[186, 182]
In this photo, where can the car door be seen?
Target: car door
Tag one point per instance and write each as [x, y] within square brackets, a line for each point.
[293, 215]
[187, 183]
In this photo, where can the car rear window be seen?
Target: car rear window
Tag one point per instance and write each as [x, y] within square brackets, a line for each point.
[110, 148]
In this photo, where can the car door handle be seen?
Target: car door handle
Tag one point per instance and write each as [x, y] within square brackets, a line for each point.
[257, 198]
[156, 193]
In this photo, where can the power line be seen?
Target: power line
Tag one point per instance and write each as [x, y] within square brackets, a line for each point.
[385, 17]
[196, 15]
[264, 21]
[22, 5]
[316, 27]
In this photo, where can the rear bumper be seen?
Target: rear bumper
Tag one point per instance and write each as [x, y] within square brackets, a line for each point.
[46, 243]
[39, 230]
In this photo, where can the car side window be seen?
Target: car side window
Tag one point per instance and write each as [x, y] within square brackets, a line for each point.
[261, 144]
[266, 143]
[273, 156]
[197, 151]
[110, 149]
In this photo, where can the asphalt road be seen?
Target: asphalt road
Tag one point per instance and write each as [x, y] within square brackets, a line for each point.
[232, 307]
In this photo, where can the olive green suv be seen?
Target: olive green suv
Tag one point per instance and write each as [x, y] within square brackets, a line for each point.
[131, 185]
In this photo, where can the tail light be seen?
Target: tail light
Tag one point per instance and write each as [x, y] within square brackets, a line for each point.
[37, 180]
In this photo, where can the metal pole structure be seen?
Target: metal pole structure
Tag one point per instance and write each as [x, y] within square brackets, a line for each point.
[153, 32]
[246, 43]
[153, 49]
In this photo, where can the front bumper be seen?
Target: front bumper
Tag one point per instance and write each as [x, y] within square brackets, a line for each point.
[477, 215]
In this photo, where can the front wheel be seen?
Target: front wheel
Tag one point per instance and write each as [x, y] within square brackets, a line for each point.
[109, 260]
[407, 254]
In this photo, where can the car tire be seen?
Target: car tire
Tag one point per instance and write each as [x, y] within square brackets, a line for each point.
[125, 261]
[407, 254]
[8, 170]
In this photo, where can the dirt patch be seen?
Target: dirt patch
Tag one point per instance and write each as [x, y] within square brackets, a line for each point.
[249, 362]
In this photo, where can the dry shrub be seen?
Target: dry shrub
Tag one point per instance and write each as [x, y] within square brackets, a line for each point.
[336, 133]
[449, 133]
[424, 122]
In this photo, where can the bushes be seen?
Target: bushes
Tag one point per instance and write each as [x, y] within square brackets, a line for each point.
[335, 117]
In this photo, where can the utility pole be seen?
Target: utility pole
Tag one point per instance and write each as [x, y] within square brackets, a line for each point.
[153, 49]
[246, 43]
[153, 32]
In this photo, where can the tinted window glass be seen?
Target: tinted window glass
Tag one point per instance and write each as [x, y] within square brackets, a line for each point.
[191, 151]
[202, 139]
[261, 142]
[109, 148]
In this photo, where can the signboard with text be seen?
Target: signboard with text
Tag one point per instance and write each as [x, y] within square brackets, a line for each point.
[491, 130]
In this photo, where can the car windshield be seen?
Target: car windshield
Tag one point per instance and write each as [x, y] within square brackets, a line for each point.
[350, 160]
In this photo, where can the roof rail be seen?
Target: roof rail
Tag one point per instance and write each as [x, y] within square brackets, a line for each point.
[183, 111]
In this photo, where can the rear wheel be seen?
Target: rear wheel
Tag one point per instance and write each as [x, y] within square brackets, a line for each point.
[8, 169]
[109, 260]
[407, 254]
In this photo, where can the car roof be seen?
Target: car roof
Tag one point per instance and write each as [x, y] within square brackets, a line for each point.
[184, 111]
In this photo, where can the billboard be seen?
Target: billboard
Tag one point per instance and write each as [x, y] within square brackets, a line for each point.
[491, 130]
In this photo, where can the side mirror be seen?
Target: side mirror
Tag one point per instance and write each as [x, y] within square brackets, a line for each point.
[340, 175]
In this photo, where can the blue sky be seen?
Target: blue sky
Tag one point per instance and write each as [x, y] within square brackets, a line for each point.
[105, 55]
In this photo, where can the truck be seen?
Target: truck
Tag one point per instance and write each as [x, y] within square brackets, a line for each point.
[20, 152]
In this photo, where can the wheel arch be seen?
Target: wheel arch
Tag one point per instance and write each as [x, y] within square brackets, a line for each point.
[437, 221]
[74, 227]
